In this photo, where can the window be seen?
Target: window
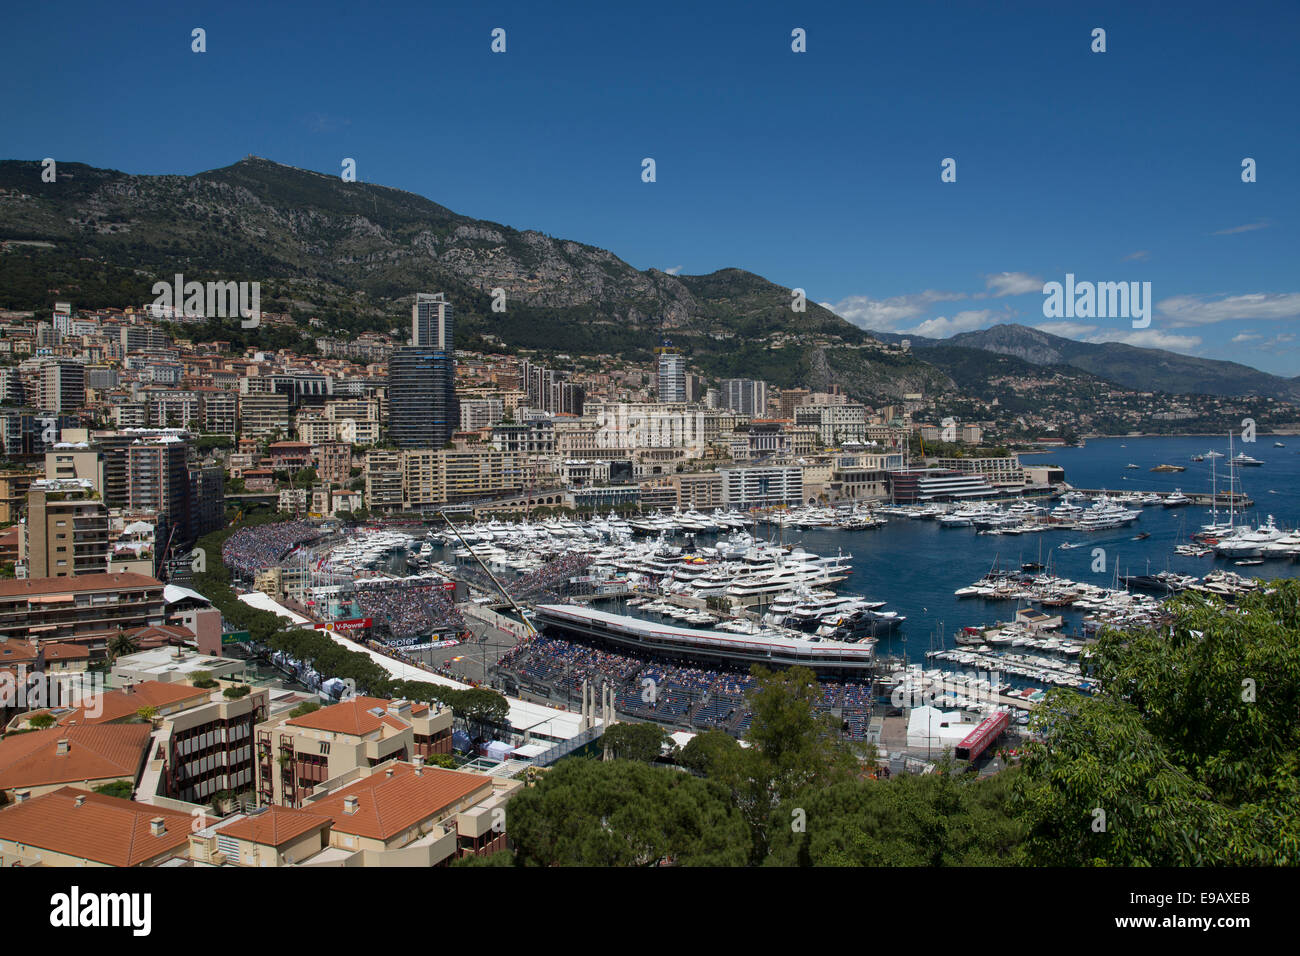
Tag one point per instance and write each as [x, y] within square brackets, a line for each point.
[324, 747]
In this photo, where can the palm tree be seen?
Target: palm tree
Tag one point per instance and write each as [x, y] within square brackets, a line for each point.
[121, 644]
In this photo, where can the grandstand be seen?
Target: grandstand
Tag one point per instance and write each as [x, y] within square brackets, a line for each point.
[676, 692]
[715, 648]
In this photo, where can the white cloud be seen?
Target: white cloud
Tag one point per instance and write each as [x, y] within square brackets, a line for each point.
[884, 315]
[674, 270]
[1013, 283]
[1249, 227]
[943, 327]
[1147, 339]
[1139, 256]
[1184, 310]
[1068, 330]
[1245, 337]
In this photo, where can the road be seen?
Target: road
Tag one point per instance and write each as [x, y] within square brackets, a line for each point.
[476, 656]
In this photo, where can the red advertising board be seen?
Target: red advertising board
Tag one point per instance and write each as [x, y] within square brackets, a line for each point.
[979, 739]
[354, 624]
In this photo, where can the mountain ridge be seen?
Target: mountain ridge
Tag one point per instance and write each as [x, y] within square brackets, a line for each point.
[1135, 367]
[353, 254]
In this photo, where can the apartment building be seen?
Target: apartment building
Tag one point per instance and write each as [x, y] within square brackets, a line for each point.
[333, 461]
[297, 754]
[470, 474]
[208, 747]
[865, 475]
[73, 827]
[399, 813]
[1002, 472]
[529, 438]
[88, 608]
[66, 531]
[743, 395]
[79, 460]
[422, 485]
[158, 481]
[836, 424]
[760, 487]
[63, 385]
[648, 425]
[14, 486]
[263, 414]
[220, 411]
[384, 473]
[476, 413]
[89, 755]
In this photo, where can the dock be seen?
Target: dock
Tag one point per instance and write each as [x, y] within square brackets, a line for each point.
[1223, 499]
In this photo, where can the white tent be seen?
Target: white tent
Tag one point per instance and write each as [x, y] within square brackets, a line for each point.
[936, 729]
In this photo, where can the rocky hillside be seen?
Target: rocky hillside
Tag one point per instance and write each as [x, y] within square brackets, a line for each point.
[353, 254]
[1137, 368]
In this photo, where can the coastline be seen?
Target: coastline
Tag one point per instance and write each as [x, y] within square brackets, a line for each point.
[1047, 451]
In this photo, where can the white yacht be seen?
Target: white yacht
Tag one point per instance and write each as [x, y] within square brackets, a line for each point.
[1249, 544]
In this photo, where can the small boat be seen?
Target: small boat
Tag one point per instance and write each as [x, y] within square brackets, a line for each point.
[1067, 546]
[1279, 444]
[1198, 458]
[1164, 468]
[1248, 562]
[1142, 536]
[1130, 465]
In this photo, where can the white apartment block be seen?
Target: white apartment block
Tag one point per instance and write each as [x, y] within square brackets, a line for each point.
[761, 487]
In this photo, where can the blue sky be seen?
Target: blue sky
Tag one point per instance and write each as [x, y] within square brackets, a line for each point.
[819, 170]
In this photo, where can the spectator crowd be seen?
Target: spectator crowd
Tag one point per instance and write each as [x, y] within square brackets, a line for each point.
[404, 609]
[250, 550]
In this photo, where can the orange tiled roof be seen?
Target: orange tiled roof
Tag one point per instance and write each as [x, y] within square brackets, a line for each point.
[388, 805]
[352, 717]
[104, 829]
[81, 582]
[17, 651]
[159, 635]
[117, 704]
[275, 826]
[95, 752]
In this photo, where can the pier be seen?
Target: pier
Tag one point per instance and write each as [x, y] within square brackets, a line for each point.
[1206, 499]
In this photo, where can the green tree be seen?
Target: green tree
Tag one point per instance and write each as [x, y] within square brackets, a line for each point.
[42, 721]
[122, 644]
[706, 753]
[1189, 751]
[306, 707]
[635, 741]
[792, 748]
[118, 788]
[937, 819]
[624, 813]
[480, 710]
